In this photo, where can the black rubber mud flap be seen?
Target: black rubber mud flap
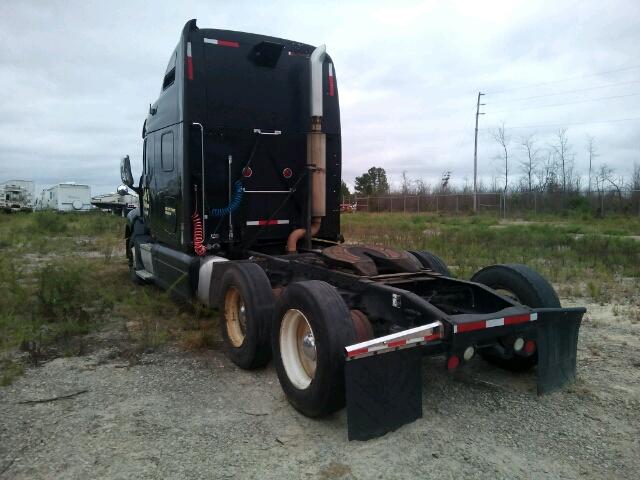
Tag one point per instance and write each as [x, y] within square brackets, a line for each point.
[557, 350]
[384, 392]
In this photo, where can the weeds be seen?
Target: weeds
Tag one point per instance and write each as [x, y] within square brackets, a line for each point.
[549, 245]
[9, 371]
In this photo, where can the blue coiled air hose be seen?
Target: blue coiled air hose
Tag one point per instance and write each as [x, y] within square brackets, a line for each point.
[234, 204]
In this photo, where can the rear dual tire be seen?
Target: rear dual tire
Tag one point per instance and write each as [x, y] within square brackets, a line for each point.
[525, 286]
[311, 327]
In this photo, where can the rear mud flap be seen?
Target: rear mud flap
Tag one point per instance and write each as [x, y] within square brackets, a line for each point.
[557, 350]
[384, 392]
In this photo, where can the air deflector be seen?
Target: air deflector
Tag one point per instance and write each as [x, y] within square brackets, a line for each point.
[266, 54]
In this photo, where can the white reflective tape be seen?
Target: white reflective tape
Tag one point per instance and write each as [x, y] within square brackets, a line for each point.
[188, 49]
[331, 69]
[211, 40]
[534, 316]
[497, 322]
[412, 337]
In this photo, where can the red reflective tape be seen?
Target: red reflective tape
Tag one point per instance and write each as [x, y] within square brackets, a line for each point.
[429, 338]
[331, 87]
[227, 43]
[397, 343]
[358, 351]
[267, 222]
[516, 319]
[468, 327]
[189, 68]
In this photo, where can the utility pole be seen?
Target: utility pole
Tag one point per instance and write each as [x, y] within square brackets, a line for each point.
[475, 157]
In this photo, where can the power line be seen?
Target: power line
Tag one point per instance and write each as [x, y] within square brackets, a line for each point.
[571, 124]
[564, 80]
[565, 92]
[568, 103]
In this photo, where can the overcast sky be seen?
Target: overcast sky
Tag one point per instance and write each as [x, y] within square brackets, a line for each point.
[76, 79]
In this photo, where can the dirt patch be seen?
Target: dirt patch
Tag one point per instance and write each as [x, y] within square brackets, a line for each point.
[178, 414]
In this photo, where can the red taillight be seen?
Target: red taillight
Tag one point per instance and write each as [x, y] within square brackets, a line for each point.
[453, 362]
[247, 172]
[287, 173]
[529, 347]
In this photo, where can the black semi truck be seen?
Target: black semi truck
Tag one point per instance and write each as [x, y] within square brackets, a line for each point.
[239, 210]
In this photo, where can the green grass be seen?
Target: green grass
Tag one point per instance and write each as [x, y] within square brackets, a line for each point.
[585, 255]
[63, 276]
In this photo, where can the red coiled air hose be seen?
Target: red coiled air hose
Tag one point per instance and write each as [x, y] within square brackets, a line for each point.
[198, 229]
[198, 235]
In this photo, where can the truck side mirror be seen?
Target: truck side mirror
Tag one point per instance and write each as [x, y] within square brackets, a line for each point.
[122, 190]
[125, 172]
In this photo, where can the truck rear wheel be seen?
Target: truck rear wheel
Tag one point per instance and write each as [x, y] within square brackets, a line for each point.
[311, 327]
[246, 307]
[433, 262]
[525, 286]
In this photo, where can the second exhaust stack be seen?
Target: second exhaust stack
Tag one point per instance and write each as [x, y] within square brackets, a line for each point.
[316, 153]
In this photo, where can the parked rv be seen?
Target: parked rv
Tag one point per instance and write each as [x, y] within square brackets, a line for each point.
[17, 195]
[65, 197]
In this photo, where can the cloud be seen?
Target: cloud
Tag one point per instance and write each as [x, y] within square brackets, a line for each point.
[76, 78]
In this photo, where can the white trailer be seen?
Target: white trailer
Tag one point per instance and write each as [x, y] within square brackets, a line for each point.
[66, 197]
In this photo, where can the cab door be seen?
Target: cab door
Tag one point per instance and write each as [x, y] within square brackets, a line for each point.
[167, 183]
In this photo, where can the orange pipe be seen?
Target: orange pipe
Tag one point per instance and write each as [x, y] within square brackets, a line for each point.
[299, 233]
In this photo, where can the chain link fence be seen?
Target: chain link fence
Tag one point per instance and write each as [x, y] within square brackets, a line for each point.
[503, 205]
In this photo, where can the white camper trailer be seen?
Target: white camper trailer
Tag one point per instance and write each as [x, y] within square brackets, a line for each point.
[17, 195]
[66, 197]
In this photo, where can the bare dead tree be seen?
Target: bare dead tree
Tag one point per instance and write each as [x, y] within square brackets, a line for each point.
[562, 150]
[592, 151]
[500, 136]
[635, 178]
[606, 176]
[529, 165]
[406, 183]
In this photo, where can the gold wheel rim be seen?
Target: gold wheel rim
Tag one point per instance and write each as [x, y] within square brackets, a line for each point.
[235, 316]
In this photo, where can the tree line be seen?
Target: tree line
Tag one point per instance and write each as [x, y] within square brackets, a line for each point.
[526, 165]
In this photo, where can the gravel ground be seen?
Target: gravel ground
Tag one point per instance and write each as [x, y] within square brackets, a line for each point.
[178, 414]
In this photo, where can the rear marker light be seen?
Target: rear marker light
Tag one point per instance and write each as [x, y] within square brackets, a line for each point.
[529, 347]
[518, 344]
[453, 362]
[247, 172]
[287, 173]
[468, 353]
[189, 62]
